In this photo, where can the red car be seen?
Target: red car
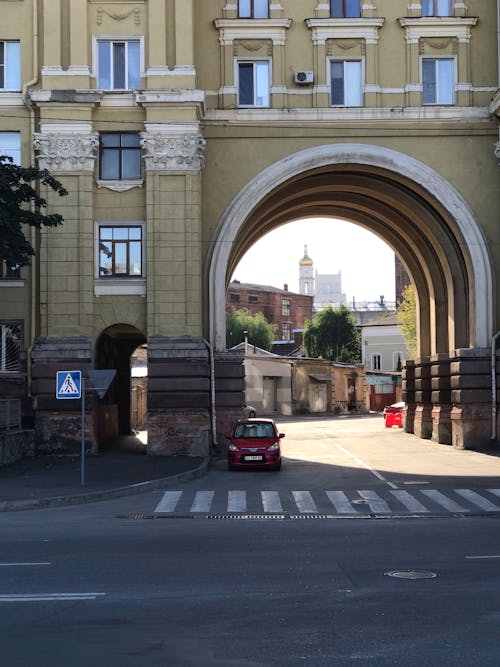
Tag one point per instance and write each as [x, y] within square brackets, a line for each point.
[254, 443]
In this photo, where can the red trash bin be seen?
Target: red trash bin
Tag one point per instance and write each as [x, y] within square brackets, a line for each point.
[393, 416]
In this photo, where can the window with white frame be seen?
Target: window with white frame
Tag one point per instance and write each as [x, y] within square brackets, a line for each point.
[119, 156]
[286, 331]
[10, 65]
[121, 251]
[346, 83]
[253, 83]
[286, 307]
[438, 81]
[253, 9]
[437, 8]
[118, 64]
[10, 145]
[376, 362]
[345, 8]
[10, 346]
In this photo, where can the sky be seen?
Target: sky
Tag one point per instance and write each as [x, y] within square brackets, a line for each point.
[365, 261]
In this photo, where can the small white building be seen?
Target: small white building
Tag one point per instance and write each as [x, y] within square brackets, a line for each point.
[382, 344]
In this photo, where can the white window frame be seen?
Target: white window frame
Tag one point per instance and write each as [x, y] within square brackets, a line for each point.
[117, 38]
[4, 325]
[360, 60]
[14, 153]
[252, 61]
[449, 58]
[7, 58]
[372, 360]
[115, 285]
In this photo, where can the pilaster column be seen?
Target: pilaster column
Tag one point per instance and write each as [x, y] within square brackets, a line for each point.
[423, 411]
[51, 58]
[409, 395]
[441, 399]
[78, 38]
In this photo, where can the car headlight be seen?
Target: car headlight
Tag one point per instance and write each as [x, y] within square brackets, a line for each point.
[274, 446]
[233, 448]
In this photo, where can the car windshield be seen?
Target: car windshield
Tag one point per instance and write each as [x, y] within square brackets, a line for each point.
[254, 431]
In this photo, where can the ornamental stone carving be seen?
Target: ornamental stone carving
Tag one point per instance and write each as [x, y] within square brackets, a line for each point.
[497, 150]
[61, 152]
[173, 152]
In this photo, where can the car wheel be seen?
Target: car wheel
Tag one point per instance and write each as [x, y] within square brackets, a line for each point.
[278, 467]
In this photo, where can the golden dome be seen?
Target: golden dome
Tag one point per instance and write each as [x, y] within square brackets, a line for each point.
[306, 260]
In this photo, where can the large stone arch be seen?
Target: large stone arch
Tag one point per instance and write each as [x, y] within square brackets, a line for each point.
[404, 201]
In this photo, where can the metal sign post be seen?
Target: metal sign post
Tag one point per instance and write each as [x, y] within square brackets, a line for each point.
[82, 478]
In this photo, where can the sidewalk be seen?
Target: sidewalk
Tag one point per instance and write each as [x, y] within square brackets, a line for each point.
[54, 480]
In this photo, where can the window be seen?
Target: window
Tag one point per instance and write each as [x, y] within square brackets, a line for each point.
[397, 361]
[345, 8]
[10, 65]
[120, 251]
[438, 81]
[10, 144]
[286, 331]
[10, 346]
[9, 272]
[346, 83]
[234, 298]
[120, 156]
[285, 307]
[252, 298]
[253, 84]
[253, 9]
[376, 362]
[118, 64]
[436, 8]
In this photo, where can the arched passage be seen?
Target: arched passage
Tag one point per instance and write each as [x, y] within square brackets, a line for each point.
[403, 201]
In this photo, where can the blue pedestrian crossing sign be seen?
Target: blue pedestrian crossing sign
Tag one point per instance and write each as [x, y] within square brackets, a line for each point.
[69, 384]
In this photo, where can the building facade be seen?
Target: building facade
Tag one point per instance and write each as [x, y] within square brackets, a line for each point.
[286, 310]
[184, 130]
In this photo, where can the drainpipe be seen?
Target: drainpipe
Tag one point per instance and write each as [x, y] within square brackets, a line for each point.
[213, 418]
[494, 386]
[498, 39]
[33, 268]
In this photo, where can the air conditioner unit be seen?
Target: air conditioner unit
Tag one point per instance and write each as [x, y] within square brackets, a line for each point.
[304, 76]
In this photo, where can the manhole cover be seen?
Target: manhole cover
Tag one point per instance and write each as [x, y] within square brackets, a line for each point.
[411, 574]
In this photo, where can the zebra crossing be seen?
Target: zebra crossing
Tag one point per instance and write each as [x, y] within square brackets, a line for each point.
[353, 503]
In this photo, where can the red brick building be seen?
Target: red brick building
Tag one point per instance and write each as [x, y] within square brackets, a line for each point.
[287, 310]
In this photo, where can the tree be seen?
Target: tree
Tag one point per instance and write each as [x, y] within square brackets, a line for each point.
[259, 331]
[20, 204]
[407, 316]
[333, 335]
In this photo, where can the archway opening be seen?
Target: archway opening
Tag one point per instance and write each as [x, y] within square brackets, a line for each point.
[115, 414]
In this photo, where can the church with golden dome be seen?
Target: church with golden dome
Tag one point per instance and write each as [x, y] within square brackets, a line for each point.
[326, 288]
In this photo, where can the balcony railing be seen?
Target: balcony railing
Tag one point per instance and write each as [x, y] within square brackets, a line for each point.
[10, 414]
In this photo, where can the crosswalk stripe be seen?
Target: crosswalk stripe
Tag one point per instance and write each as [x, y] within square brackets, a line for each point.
[305, 502]
[271, 502]
[410, 502]
[495, 492]
[202, 501]
[443, 500]
[169, 501]
[237, 501]
[478, 500]
[375, 502]
[340, 502]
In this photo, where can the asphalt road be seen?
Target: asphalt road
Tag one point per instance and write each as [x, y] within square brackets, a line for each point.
[82, 586]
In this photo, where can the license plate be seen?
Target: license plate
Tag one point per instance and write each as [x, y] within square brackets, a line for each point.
[253, 458]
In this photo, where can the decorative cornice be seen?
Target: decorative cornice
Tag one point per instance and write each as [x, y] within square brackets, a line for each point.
[432, 26]
[364, 28]
[120, 186]
[173, 148]
[231, 29]
[66, 152]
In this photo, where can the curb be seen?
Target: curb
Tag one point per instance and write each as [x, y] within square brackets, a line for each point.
[105, 494]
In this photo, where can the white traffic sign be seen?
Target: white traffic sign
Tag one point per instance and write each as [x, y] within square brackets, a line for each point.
[69, 384]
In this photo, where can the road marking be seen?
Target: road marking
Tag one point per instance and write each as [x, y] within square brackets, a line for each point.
[495, 492]
[202, 501]
[47, 597]
[237, 501]
[410, 502]
[305, 502]
[340, 502]
[362, 463]
[478, 500]
[169, 501]
[271, 502]
[443, 500]
[481, 557]
[23, 564]
[376, 503]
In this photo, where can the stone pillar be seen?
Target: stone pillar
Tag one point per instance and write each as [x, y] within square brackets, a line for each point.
[409, 395]
[230, 393]
[178, 396]
[471, 394]
[423, 411]
[58, 421]
[441, 399]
